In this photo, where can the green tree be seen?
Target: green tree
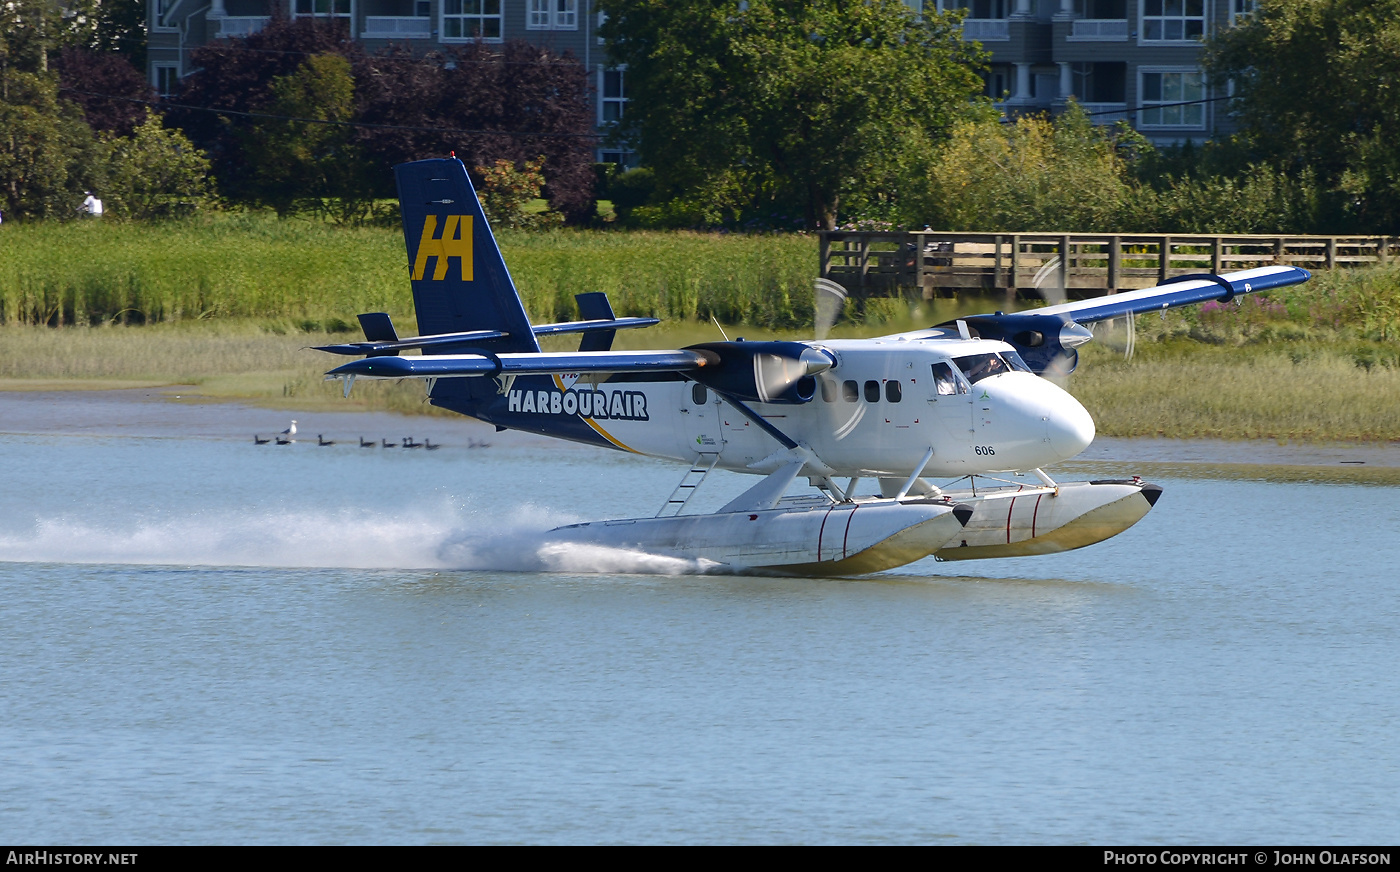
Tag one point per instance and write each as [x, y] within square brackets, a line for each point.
[809, 102]
[506, 190]
[1033, 175]
[299, 165]
[47, 151]
[1317, 86]
[153, 172]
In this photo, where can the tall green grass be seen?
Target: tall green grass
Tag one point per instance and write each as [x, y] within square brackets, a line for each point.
[252, 266]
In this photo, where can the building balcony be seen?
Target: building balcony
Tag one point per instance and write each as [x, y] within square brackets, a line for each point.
[987, 29]
[241, 25]
[397, 27]
[1098, 30]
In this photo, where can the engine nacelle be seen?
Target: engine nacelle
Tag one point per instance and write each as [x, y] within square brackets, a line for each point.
[762, 372]
[1045, 342]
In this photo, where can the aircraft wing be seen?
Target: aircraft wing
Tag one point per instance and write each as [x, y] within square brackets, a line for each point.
[522, 363]
[1046, 338]
[1182, 291]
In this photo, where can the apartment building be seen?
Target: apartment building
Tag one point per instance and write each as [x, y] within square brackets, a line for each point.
[1125, 60]
[176, 27]
[1133, 60]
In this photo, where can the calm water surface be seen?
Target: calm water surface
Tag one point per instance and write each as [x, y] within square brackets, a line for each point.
[211, 641]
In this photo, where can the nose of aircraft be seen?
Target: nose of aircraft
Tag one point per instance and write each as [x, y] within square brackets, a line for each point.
[1034, 406]
[1069, 427]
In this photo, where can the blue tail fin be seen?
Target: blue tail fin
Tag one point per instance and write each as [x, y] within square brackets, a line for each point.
[460, 281]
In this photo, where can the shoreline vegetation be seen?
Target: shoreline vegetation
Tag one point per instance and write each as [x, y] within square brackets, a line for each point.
[230, 303]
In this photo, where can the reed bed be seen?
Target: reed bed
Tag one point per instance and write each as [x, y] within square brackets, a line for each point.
[1257, 392]
[320, 276]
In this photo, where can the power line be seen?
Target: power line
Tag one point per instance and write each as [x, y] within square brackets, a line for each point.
[1127, 110]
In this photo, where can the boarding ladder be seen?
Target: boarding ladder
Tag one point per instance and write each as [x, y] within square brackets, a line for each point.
[690, 482]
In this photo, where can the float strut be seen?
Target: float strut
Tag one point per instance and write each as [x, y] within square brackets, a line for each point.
[1045, 479]
[918, 471]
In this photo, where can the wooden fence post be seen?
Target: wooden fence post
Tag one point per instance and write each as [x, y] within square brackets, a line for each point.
[1064, 265]
[1115, 262]
[1164, 256]
[1015, 263]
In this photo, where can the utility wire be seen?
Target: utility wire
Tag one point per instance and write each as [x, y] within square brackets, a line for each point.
[1130, 109]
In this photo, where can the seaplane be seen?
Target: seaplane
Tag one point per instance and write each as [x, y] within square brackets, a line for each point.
[870, 424]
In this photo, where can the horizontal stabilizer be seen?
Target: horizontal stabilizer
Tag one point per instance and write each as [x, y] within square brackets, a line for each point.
[395, 346]
[594, 326]
[543, 363]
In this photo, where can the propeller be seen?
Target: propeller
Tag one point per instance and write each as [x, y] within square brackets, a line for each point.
[1053, 292]
[1118, 334]
[765, 372]
[829, 304]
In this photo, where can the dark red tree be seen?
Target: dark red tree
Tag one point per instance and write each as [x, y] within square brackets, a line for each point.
[514, 102]
[517, 102]
[113, 94]
[235, 74]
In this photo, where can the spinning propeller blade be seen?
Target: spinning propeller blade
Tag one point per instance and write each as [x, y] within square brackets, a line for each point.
[830, 302]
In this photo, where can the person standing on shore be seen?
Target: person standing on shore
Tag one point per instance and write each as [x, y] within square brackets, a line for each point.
[92, 206]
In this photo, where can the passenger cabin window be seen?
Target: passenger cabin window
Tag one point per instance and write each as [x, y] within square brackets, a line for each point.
[945, 383]
[893, 392]
[828, 389]
[850, 391]
[979, 366]
[872, 391]
[698, 395]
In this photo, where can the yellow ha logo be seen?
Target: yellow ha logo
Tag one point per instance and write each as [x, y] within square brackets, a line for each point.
[456, 241]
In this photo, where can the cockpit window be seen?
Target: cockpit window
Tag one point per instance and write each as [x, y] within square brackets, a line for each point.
[979, 366]
[1016, 362]
[945, 382]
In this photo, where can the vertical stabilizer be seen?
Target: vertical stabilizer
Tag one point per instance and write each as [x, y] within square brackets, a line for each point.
[460, 280]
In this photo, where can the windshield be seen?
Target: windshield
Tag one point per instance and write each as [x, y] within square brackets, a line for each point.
[978, 366]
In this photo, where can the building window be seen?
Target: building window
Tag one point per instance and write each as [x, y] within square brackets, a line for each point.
[1103, 82]
[1166, 88]
[471, 19]
[989, 8]
[612, 91]
[551, 15]
[322, 8]
[1240, 8]
[1173, 20]
[167, 80]
[1103, 10]
[997, 81]
[164, 8]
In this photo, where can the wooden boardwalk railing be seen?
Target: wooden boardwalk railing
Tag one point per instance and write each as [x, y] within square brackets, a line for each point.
[941, 264]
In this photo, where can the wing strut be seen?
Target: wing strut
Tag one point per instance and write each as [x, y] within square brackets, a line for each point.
[763, 423]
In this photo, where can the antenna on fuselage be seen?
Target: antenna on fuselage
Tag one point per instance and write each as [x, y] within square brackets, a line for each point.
[721, 329]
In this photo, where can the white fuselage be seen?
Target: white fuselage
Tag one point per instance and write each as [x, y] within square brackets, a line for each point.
[878, 411]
